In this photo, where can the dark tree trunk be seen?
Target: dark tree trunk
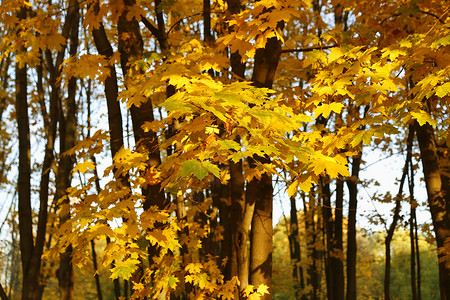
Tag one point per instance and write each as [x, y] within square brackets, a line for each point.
[415, 281]
[416, 235]
[294, 247]
[325, 195]
[68, 126]
[114, 113]
[412, 254]
[336, 259]
[311, 230]
[396, 216]
[97, 277]
[30, 291]
[351, 230]
[131, 47]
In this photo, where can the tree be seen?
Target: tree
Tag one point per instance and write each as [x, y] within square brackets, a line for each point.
[227, 100]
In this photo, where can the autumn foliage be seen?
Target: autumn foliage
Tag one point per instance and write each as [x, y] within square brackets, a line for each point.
[152, 136]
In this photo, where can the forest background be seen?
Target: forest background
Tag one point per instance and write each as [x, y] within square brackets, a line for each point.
[151, 140]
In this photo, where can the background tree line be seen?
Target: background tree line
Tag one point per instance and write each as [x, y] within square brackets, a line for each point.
[152, 136]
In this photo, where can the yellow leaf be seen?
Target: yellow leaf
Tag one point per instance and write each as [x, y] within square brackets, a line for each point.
[193, 268]
[84, 166]
[248, 290]
[292, 189]
[262, 289]
[326, 109]
[335, 54]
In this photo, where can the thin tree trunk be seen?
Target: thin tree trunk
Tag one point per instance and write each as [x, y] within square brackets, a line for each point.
[114, 114]
[437, 200]
[415, 255]
[313, 281]
[96, 275]
[294, 247]
[336, 259]
[351, 230]
[67, 141]
[396, 217]
[325, 195]
[419, 292]
[412, 254]
[30, 290]
[97, 185]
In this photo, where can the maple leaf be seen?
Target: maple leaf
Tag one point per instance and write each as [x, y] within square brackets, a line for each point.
[152, 176]
[194, 268]
[262, 289]
[326, 109]
[124, 269]
[248, 290]
[443, 90]
[199, 169]
[83, 167]
[156, 236]
[292, 189]
[423, 117]
[321, 163]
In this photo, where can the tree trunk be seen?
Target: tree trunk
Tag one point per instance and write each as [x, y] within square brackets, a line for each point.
[68, 126]
[351, 230]
[412, 254]
[96, 275]
[104, 47]
[437, 200]
[415, 281]
[336, 259]
[131, 47]
[260, 190]
[261, 193]
[396, 217]
[30, 290]
[294, 247]
[313, 272]
[325, 195]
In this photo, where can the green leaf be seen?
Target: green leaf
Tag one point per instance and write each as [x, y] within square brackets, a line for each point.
[124, 269]
[200, 169]
[229, 145]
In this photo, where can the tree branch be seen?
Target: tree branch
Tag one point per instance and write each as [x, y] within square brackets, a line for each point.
[150, 26]
[433, 15]
[309, 49]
